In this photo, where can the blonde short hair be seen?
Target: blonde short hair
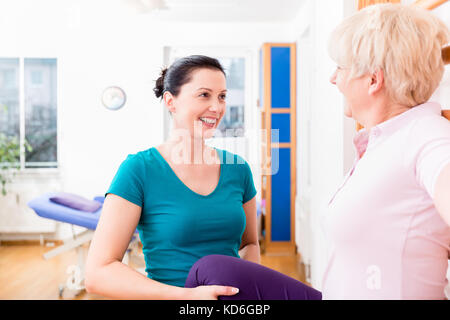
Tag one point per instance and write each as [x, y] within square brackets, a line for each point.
[404, 41]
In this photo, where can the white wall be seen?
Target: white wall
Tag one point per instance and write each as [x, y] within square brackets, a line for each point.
[442, 94]
[325, 151]
[101, 43]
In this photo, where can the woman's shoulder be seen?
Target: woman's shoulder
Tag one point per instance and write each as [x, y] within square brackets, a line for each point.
[235, 163]
[230, 158]
[430, 126]
[427, 132]
[146, 154]
[140, 158]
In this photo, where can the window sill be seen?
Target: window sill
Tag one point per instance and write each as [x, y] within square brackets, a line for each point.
[37, 173]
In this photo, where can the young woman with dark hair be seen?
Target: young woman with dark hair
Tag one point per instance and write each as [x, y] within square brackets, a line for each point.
[194, 207]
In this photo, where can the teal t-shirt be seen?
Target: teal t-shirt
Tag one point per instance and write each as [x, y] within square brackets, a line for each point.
[179, 226]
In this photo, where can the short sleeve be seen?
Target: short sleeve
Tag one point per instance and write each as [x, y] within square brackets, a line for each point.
[249, 186]
[433, 151]
[128, 182]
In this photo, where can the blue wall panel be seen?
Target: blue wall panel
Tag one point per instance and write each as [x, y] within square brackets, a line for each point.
[281, 196]
[281, 77]
[282, 122]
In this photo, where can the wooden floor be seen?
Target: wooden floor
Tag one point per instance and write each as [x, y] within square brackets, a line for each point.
[25, 274]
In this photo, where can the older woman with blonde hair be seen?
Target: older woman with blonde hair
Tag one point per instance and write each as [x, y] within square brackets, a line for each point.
[389, 222]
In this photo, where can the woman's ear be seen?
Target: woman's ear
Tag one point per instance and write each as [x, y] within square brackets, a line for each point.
[376, 82]
[168, 101]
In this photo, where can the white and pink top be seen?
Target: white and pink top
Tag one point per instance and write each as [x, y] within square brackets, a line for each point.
[386, 237]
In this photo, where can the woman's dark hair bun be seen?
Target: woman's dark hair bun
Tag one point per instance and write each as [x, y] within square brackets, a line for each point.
[159, 87]
[179, 73]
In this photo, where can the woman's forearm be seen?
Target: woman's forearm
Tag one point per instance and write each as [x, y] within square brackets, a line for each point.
[251, 252]
[119, 281]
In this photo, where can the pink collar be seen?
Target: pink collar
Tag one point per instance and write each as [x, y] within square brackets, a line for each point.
[388, 127]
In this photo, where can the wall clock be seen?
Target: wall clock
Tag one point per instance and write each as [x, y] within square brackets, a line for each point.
[114, 98]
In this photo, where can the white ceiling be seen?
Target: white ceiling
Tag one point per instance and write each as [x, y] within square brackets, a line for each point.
[219, 10]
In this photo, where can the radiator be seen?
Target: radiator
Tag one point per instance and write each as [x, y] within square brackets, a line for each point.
[16, 216]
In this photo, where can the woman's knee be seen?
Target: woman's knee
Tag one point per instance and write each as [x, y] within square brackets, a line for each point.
[255, 282]
[212, 270]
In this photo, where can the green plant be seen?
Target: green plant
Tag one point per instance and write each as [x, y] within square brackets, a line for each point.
[9, 158]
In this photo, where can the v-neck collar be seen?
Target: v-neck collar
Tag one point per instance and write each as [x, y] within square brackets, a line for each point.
[166, 163]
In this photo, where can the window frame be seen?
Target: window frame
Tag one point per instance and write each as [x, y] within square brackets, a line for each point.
[23, 170]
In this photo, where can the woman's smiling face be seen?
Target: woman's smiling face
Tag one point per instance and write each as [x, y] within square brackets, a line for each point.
[200, 105]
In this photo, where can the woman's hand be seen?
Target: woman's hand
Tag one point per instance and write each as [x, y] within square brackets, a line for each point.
[210, 292]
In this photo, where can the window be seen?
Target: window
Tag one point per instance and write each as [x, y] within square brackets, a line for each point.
[233, 125]
[28, 108]
[9, 97]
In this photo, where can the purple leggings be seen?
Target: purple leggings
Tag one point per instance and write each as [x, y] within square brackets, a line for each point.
[255, 282]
